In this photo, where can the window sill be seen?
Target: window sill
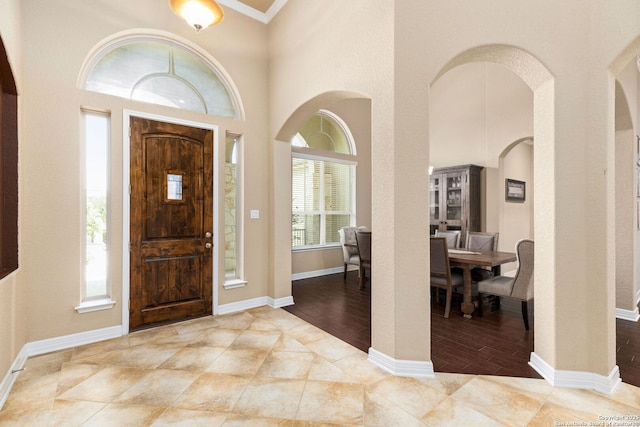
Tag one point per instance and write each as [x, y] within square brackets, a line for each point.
[316, 247]
[235, 283]
[95, 305]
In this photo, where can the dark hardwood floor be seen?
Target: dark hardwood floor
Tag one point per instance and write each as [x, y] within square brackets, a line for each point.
[495, 344]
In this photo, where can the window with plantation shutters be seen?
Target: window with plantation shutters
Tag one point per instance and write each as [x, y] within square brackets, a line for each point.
[322, 191]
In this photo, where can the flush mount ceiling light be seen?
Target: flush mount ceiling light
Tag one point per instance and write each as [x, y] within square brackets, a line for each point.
[200, 14]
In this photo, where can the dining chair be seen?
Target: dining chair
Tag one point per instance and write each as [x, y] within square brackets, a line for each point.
[519, 287]
[349, 247]
[441, 275]
[452, 236]
[363, 240]
[480, 241]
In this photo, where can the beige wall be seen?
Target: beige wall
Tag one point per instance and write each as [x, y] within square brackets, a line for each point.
[476, 111]
[51, 234]
[12, 291]
[564, 51]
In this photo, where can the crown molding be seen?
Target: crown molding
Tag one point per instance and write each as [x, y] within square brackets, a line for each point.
[265, 18]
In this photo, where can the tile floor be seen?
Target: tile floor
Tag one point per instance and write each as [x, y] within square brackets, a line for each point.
[266, 367]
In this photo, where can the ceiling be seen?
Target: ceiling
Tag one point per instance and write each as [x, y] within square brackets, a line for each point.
[260, 10]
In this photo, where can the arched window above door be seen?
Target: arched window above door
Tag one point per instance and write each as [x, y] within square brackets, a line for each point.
[160, 72]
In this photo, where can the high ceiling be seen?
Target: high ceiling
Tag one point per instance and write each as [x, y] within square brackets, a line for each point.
[261, 10]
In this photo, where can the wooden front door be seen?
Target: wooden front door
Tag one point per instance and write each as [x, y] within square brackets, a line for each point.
[171, 222]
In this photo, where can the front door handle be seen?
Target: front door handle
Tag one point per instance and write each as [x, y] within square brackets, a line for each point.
[207, 234]
[208, 245]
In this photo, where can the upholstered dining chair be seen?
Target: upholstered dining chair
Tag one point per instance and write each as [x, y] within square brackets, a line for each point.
[441, 275]
[349, 247]
[479, 241]
[363, 239]
[519, 287]
[452, 236]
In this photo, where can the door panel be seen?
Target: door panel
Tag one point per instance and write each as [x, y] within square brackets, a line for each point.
[171, 220]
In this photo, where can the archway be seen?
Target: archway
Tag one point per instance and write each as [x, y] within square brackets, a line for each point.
[355, 110]
[539, 79]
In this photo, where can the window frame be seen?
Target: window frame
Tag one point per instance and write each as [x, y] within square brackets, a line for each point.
[237, 280]
[299, 153]
[102, 301]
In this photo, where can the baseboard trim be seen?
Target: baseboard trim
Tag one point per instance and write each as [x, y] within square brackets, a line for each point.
[402, 368]
[631, 315]
[576, 379]
[253, 303]
[317, 273]
[10, 377]
[36, 348]
[69, 341]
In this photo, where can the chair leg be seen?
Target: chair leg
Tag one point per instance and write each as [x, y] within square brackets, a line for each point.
[447, 307]
[525, 315]
[361, 278]
[480, 298]
[345, 271]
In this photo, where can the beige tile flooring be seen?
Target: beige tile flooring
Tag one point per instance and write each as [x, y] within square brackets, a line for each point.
[266, 367]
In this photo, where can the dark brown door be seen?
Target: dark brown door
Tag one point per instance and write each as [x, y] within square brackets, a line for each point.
[171, 222]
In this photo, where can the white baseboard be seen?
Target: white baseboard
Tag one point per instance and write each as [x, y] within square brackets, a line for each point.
[402, 368]
[74, 340]
[576, 379]
[36, 348]
[317, 273]
[623, 314]
[10, 377]
[253, 303]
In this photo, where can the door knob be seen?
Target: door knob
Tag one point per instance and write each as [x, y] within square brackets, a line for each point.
[208, 245]
[207, 234]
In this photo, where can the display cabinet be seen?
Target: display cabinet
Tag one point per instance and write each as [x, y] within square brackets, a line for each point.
[455, 199]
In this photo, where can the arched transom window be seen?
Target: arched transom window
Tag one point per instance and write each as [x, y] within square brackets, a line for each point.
[160, 72]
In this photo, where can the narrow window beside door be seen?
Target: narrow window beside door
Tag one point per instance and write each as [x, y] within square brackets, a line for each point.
[96, 208]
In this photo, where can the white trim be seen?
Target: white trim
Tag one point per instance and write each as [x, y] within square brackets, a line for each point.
[95, 305]
[36, 348]
[343, 127]
[235, 283]
[317, 273]
[576, 379]
[12, 374]
[126, 224]
[637, 299]
[253, 303]
[47, 346]
[265, 18]
[304, 153]
[308, 248]
[402, 368]
[631, 315]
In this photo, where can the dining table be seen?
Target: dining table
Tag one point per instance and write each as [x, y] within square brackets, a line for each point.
[466, 260]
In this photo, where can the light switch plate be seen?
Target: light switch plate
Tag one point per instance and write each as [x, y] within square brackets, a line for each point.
[255, 214]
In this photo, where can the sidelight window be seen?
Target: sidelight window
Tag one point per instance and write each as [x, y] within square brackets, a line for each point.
[96, 206]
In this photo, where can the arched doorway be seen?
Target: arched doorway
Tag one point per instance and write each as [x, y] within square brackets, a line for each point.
[539, 81]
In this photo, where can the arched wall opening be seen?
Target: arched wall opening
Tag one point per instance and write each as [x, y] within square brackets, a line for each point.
[539, 79]
[355, 110]
[625, 203]
[624, 143]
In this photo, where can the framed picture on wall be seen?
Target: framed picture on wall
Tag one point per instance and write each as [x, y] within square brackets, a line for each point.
[514, 190]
